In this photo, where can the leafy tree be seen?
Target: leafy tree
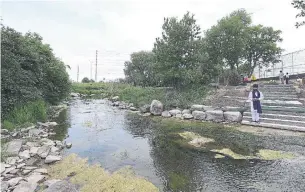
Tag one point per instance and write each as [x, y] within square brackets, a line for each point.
[140, 70]
[300, 5]
[226, 40]
[179, 51]
[86, 80]
[29, 71]
[261, 47]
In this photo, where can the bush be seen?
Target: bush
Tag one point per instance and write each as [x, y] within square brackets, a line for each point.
[27, 113]
[29, 72]
[230, 77]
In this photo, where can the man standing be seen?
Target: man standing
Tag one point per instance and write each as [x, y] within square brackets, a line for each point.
[287, 78]
[281, 76]
[255, 96]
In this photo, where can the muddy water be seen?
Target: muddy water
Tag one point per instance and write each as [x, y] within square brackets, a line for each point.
[116, 139]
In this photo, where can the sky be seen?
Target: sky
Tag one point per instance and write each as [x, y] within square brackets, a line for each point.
[116, 28]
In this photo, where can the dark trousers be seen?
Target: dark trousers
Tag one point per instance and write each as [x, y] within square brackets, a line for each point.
[287, 79]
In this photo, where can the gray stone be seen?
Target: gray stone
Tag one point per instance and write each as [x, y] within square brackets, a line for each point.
[199, 115]
[8, 176]
[32, 144]
[145, 108]
[54, 149]
[45, 141]
[59, 144]
[44, 151]
[35, 178]
[69, 145]
[45, 135]
[14, 181]
[115, 98]
[24, 130]
[30, 168]
[146, 114]
[215, 115]
[14, 171]
[179, 116]
[20, 165]
[52, 158]
[35, 132]
[132, 108]
[41, 171]
[8, 170]
[48, 183]
[74, 94]
[156, 107]
[26, 187]
[32, 161]
[175, 112]
[117, 103]
[2, 168]
[12, 160]
[166, 114]
[13, 147]
[25, 172]
[33, 151]
[24, 154]
[25, 147]
[232, 116]
[16, 134]
[4, 185]
[62, 186]
[187, 116]
[4, 131]
[186, 111]
[48, 124]
[201, 108]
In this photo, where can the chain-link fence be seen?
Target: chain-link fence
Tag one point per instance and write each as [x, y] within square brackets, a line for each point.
[292, 63]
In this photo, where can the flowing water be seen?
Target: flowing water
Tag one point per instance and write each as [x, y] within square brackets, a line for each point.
[115, 139]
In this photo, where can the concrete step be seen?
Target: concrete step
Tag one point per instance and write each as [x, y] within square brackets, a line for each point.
[277, 86]
[287, 116]
[272, 90]
[285, 110]
[278, 121]
[290, 103]
[283, 98]
[280, 94]
[275, 126]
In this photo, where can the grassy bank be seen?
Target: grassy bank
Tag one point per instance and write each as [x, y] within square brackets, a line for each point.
[139, 96]
[24, 115]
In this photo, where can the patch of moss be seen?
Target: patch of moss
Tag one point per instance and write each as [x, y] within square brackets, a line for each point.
[230, 153]
[267, 154]
[177, 181]
[218, 156]
[195, 139]
[94, 178]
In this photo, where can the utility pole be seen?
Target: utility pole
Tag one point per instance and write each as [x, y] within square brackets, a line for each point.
[96, 66]
[77, 72]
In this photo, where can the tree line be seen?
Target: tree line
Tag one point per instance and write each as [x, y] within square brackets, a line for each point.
[185, 54]
[30, 71]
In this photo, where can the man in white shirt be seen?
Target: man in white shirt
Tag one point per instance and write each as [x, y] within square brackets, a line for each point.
[255, 96]
[281, 76]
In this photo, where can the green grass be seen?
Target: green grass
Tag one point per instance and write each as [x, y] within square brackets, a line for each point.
[23, 115]
[144, 95]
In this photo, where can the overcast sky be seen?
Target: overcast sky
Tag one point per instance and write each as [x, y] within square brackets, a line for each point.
[116, 28]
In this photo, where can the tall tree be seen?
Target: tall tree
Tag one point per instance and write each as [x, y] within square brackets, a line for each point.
[261, 47]
[226, 40]
[300, 5]
[140, 69]
[178, 52]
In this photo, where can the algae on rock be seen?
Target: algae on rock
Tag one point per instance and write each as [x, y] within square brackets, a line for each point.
[267, 154]
[94, 178]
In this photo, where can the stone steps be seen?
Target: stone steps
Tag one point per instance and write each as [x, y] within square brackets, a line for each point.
[291, 116]
[278, 121]
[280, 94]
[282, 98]
[275, 126]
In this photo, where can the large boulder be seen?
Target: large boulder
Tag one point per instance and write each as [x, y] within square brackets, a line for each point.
[187, 116]
[52, 159]
[199, 115]
[44, 151]
[233, 116]
[145, 108]
[186, 111]
[156, 107]
[215, 115]
[13, 147]
[201, 108]
[166, 114]
[175, 112]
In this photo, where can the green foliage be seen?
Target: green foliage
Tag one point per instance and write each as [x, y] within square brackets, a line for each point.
[86, 80]
[144, 95]
[235, 42]
[8, 125]
[29, 71]
[27, 113]
[300, 5]
[233, 77]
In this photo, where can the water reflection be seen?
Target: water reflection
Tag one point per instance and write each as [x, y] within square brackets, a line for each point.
[116, 139]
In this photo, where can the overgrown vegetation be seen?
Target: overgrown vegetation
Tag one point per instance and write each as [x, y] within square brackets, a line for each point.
[139, 96]
[183, 56]
[31, 76]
